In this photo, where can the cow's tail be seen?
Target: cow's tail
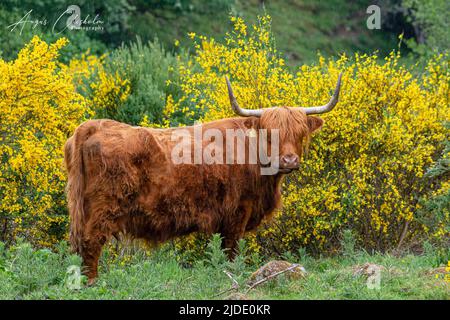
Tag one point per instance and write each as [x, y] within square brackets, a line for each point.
[73, 158]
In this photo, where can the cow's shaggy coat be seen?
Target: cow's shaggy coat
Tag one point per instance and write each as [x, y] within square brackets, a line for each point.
[121, 180]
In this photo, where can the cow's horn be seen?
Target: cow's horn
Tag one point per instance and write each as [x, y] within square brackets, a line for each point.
[238, 110]
[330, 105]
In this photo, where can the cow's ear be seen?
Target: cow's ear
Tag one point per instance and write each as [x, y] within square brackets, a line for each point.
[314, 123]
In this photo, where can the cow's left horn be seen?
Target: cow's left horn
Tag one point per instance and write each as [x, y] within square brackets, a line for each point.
[330, 105]
[238, 110]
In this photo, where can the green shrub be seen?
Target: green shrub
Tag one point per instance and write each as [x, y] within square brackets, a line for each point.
[435, 208]
[151, 70]
[430, 24]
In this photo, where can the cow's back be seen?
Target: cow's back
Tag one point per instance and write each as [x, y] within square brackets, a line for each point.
[131, 183]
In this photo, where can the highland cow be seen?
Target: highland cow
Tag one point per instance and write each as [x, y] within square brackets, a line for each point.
[123, 180]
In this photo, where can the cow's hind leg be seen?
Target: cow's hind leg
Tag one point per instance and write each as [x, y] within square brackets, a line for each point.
[91, 250]
[96, 235]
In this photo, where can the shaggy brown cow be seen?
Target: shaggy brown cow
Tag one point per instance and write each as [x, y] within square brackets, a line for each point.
[121, 180]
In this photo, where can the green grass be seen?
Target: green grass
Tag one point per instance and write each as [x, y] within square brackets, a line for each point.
[26, 273]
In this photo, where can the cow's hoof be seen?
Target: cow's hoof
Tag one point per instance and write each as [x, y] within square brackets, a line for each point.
[91, 282]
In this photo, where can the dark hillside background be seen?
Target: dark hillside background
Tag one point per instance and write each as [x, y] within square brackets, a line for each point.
[301, 27]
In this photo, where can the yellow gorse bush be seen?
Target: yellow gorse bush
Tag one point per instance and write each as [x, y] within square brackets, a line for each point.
[365, 169]
[104, 90]
[40, 107]
[110, 90]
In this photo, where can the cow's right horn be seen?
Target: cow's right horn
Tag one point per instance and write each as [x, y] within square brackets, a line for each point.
[238, 110]
[330, 105]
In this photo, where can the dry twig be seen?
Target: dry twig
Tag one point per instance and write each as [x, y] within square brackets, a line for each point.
[234, 286]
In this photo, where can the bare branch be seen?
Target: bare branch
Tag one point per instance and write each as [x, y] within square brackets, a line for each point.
[234, 286]
[235, 283]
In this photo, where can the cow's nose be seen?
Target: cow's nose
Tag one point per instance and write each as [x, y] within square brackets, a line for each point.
[290, 160]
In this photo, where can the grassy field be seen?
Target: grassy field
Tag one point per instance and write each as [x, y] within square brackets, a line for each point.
[26, 273]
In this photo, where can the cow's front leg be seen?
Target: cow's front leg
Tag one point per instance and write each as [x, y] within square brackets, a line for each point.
[236, 230]
[229, 245]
